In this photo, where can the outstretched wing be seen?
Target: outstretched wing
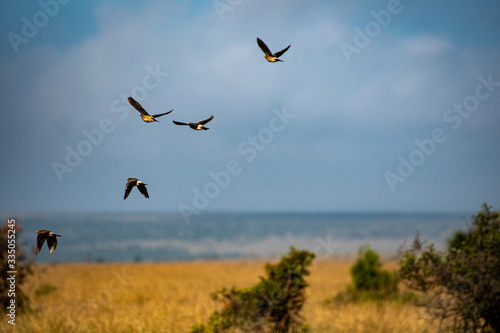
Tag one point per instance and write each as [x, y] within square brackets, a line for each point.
[40, 239]
[52, 243]
[162, 114]
[264, 47]
[203, 122]
[130, 185]
[143, 190]
[280, 53]
[179, 123]
[137, 106]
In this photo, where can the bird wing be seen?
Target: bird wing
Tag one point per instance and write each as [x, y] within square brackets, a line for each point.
[130, 185]
[52, 243]
[264, 47]
[179, 123]
[280, 53]
[162, 114]
[40, 239]
[143, 190]
[137, 106]
[203, 122]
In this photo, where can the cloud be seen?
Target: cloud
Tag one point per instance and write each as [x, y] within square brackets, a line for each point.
[353, 119]
[426, 45]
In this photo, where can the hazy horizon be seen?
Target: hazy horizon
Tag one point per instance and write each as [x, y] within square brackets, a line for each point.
[151, 237]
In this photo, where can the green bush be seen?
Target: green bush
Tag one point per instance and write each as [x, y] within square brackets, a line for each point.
[272, 305]
[370, 281]
[463, 282]
[368, 275]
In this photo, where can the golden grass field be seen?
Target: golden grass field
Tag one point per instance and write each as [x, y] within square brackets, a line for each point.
[171, 297]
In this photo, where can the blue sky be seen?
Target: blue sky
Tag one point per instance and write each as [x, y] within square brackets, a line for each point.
[378, 105]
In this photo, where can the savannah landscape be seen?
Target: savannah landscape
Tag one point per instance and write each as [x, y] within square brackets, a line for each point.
[174, 296]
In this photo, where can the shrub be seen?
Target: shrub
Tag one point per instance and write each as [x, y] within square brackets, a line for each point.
[272, 305]
[463, 282]
[368, 275]
[370, 281]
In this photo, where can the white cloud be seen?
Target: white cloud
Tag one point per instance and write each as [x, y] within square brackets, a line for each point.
[426, 45]
[393, 92]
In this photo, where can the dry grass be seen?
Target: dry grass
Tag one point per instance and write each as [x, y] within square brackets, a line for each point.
[171, 297]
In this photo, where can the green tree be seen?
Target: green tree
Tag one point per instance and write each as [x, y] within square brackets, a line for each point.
[368, 275]
[370, 280]
[272, 305]
[463, 282]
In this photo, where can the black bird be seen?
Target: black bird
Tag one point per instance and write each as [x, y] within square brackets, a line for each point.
[144, 115]
[268, 54]
[196, 126]
[46, 235]
[131, 182]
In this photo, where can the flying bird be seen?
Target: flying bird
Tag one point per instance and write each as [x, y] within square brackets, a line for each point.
[46, 235]
[131, 182]
[144, 115]
[196, 126]
[268, 54]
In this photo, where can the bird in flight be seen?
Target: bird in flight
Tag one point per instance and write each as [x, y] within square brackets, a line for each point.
[131, 182]
[268, 54]
[46, 235]
[196, 126]
[144, 115]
